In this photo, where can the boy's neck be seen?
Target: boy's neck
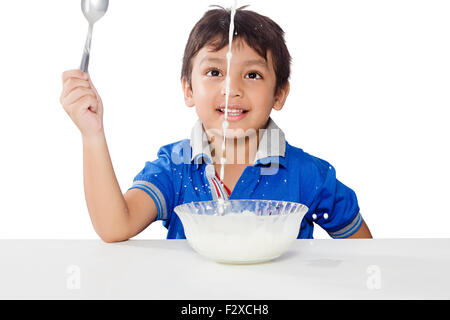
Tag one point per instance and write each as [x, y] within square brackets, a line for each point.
[241, 151]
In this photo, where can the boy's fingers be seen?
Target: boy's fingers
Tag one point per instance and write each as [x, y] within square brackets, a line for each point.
[76, 94]
[88, 102]
[73, 83]
[76, 73]
[92, 86]
[93, 107]
[83, 103]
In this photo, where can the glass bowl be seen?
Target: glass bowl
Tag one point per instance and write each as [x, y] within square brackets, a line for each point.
[241, 231]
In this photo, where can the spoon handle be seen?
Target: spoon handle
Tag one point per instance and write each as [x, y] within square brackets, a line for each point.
[87, 50]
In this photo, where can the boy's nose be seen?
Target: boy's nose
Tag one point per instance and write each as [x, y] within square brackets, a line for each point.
[235, 90]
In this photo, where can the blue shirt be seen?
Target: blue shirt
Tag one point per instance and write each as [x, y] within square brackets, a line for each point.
[184, 172]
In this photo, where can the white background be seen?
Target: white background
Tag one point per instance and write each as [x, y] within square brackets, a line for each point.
[369, 93]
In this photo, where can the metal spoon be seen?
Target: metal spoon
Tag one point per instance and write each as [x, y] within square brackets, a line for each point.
[92, 10]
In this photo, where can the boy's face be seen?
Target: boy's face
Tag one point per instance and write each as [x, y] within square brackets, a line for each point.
[252, 88]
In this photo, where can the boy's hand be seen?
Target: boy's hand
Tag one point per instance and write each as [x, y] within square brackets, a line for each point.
[82, 103]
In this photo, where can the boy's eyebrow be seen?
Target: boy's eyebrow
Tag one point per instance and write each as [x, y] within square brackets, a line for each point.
[258, 62]
[212, 60]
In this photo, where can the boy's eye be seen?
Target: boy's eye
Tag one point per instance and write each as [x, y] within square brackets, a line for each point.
[214, 73]
[253, 75]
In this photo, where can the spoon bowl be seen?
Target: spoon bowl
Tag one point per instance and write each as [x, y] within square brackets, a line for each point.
[94, 9]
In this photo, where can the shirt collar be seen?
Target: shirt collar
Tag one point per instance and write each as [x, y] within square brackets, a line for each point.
[200, 144]
[272, 145]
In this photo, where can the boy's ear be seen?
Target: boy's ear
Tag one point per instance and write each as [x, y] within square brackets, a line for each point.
[187, 91]
[281, 96]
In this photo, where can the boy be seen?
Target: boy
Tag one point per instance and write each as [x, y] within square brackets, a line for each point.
[187, 171]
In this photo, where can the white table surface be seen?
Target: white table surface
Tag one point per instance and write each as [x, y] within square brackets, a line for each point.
[170, 269]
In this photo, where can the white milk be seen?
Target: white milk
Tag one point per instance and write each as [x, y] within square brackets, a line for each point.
[225, 124]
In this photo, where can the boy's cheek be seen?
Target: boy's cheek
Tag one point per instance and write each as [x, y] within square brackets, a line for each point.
[206, 99]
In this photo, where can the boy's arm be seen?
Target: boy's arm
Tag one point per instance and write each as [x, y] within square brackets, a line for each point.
[115, 217]
[362, 233]
[142, 211]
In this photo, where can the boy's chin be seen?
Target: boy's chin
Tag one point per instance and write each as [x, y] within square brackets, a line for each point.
[233, 132]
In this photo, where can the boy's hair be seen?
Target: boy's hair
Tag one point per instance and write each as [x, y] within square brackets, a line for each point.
[259, 32]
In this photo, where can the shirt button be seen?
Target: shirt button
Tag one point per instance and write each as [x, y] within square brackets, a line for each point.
[325, 216]
[314, 216]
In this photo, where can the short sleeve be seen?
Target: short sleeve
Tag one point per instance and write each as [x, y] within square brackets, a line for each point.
[335, 205]
[156, 180]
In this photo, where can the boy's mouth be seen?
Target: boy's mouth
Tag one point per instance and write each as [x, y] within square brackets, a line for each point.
[232, 110]
[234, 113]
